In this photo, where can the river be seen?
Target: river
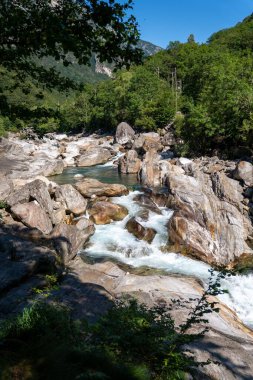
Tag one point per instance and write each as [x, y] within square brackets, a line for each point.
[114, 242]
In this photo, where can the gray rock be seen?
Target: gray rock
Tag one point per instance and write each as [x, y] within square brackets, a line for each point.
[169, 139]
[228, 343]
[147, 141]
[36, 190]
[129, 163]
[53, 168]
[68, 240]
[84, 223]
[94, 156]
[149, 173]
[89, 187]
[124, 133]
[74, 202]
[32, 215]
[244, 172]
[207, 223]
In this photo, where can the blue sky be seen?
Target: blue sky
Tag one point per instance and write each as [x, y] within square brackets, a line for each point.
[162, 21]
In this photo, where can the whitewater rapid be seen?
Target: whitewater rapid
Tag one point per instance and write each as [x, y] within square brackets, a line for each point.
[115, 242]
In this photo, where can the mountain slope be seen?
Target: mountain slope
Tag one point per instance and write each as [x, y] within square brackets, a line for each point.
[94, 72]
[239, 37]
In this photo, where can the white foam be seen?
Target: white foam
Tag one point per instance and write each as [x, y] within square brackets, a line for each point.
[112, 161]
[114, 241]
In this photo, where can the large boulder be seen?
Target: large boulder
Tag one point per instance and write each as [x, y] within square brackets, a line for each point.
[74, 201]
[89, 188]
[244, 172]
[139, 231]
[124, 133]
[149, 173]
[147, 141]
[36, 190]
[33, 216]
[106, 212]
[208, 222]
[94, 156]
[52, 168]
[69, 239]
[129, 163]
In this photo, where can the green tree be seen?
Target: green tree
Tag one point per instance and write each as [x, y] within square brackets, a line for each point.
[55, 28]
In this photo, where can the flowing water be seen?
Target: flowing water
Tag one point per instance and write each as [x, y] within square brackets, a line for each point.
[114, 242]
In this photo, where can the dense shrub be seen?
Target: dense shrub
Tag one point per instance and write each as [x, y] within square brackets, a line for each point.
[131, 341]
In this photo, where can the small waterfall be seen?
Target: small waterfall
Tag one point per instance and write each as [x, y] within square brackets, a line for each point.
[114, 241]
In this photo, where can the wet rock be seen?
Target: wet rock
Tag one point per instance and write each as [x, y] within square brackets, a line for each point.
[94, 156]
[32, 215]
[129, 163]
[124, 133]
[106, 212]
[68, 240]
[147, 202]
[140, 232]
[244, 172]
[74, 201]
[89, 187]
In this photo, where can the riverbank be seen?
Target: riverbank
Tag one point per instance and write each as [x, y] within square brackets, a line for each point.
[44, 225]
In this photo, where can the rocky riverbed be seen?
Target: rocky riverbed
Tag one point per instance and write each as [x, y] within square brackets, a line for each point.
[186, 209]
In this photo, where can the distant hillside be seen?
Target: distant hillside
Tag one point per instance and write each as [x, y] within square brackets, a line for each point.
[94, 72]
[149, 48]
[239, 37]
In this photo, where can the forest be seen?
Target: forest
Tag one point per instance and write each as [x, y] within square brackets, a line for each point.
[204, 90]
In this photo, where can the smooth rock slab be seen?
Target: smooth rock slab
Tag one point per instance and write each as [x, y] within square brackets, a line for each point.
[227, 342]
[89, 187]
[94, 156]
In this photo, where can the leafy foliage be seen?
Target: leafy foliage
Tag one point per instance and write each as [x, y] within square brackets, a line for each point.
[131, 341]
[206, 90]
[46, 28]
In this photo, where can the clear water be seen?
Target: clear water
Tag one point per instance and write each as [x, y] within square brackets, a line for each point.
[107, 173]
